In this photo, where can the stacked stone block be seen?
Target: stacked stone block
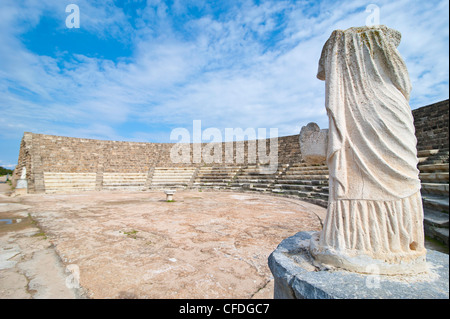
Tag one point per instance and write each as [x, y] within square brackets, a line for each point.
[309, 182]
[62, 164]
[431, 123]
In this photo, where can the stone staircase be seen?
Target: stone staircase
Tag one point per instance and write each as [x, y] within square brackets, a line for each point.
[69, 182]
[252, 177]
[434, 176]
[172, 177]
[124, 181]
[215, 177]
[309, 182]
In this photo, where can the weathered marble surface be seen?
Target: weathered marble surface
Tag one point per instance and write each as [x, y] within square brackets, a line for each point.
[375, 212]
[298, 277]
[313, 143]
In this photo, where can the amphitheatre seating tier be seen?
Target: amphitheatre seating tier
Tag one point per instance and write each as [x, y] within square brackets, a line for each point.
[64, 164]
[309, 182]
[253, 177]
[69, 182]
[434, 176]
[215, 177]
[125, 181]
[174, 177]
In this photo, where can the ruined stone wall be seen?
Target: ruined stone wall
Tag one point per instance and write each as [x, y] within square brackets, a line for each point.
[58, 154]
[42, 154]
[431, 124]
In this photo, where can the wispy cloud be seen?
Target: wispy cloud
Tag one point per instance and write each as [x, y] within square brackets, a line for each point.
[229, 64]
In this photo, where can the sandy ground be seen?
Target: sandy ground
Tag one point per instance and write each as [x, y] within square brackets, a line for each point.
[137, 245]
[4, 187]
[29, 266]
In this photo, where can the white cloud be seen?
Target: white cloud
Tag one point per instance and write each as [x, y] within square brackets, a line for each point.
[223, 70]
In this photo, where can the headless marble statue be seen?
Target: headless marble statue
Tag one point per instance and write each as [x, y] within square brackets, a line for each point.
[375, 214]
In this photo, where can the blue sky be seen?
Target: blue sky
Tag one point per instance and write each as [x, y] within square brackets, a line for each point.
[135, 70]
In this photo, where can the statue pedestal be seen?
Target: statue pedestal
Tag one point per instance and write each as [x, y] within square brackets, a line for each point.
[21, 187]
[22, 183]
[298, 276]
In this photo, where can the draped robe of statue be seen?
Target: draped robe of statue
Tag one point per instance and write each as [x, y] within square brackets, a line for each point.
[375, 214]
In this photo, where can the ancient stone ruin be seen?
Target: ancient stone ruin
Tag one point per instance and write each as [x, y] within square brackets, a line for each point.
[375, 212]
[65, 164]
[375, 215]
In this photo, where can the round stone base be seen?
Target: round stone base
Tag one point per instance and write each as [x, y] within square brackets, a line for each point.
[363, 263]
[298, 276]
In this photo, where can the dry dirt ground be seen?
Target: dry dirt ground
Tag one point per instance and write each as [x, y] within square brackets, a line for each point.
[137, 245]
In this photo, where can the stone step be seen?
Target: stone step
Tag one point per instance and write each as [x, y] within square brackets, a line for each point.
[427, 153]
[435, 188]
[435, 224]
[259, 189]
[253, 173]
[224, 176]
[434, 177]
[250, 182]
[434, 168]
[170, 180]
[67, 174]
[55, 185]
[173, 173]
[220, 167]
[313, 188]
[303, 182]
[226, 182]
[305, 177]
[200, 172]
[165, 186]
[184, 183]
[439, 203]
[175, 168]
[441, 157]
[123, 184]
[439, 234]
[125, 174]
[234, 188]
[70, 186]
[307, 172]
[124, 187]
[68, 190]
[206, 177]
[212, 184]
[69, 178]
[300, 164]
[168, 184]
[435, 218]
[253, 176]
[262, 186]
[250, 186]
[245, 180]
[68, 182]
[435, 160]
[125, 180]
